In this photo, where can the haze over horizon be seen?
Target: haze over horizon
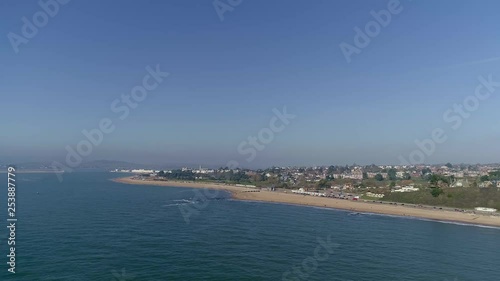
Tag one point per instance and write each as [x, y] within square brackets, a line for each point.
[227, 79]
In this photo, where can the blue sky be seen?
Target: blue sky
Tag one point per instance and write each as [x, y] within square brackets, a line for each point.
[227, 76]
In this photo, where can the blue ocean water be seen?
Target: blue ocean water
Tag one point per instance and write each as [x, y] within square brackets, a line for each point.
[89, 228]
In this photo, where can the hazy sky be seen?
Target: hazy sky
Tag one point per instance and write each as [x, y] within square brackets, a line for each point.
[226, 77]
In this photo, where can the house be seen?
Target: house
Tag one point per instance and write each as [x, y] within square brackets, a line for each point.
[486, 184]
[338, 176]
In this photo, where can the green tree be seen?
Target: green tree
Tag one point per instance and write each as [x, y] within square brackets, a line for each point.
[365, 175]
[484, 178]
[331, 169]
[436, 191]
[379, 177]
[495, 175]
[323, 183]
[449, 165]
[283, 185]
[426, 171]
[391, 174]
[433, 179]
[438, 181]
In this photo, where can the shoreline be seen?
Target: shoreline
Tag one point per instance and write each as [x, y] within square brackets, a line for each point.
[241, 193]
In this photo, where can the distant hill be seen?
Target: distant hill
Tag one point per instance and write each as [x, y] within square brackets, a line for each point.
[106, 165]
[111, 164]
[96, 165]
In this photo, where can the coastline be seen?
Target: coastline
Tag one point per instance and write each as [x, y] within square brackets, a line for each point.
[241, 193]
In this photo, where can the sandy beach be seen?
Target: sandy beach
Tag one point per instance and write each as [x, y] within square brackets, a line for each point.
[242, 193]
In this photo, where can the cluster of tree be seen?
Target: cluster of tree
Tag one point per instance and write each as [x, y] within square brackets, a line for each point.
[338, 169]
[495, 175]
[282, 185]
[177, 175]
[372, 168]
[323, 183]
[437, 183]
[439, 180]
[436, 192]
[426, 171]
[239, 176]
[484, 178]
[391, 175]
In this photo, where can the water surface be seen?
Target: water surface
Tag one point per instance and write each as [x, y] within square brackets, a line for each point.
[89, 228]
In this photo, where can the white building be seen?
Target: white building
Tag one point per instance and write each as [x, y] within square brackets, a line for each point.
[143, 171]
[483, 209]
[301, 191]
[408, 188]
[376, 195]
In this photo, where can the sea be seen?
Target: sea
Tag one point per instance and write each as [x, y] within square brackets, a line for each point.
[87, 227]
